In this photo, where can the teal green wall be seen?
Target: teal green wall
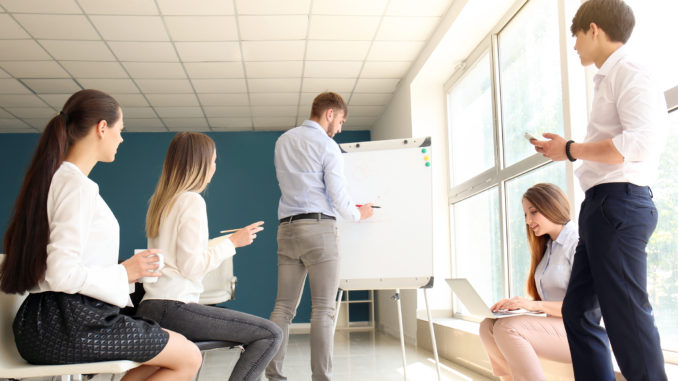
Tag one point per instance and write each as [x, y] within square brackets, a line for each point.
[244, 190]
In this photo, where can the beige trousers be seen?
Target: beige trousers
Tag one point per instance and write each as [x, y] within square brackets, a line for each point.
[515, 344]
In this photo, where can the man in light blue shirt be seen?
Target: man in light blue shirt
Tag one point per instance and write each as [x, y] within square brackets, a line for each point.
[310, 172]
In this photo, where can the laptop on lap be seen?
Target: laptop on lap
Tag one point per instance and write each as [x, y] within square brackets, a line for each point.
[475, 304]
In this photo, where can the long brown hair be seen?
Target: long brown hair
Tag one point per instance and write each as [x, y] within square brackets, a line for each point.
[26, 238]
[552, 203]
[186, 167]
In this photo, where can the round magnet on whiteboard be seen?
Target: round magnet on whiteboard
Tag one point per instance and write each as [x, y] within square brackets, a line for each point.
[428, 163]
[423, 150]
[426, 157]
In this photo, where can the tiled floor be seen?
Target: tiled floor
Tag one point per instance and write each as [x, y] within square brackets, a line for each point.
[369, 356]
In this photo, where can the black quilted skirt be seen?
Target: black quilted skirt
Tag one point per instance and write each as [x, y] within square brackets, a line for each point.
[58, 328]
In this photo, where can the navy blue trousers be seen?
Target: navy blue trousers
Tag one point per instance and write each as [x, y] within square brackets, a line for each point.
[609, 278]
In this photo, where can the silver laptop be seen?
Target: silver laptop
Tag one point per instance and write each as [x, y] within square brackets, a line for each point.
[475, 304]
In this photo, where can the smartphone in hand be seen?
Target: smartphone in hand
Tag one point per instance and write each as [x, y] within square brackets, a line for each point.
[529, 136]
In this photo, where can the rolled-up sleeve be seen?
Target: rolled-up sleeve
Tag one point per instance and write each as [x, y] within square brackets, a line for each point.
[644, 121]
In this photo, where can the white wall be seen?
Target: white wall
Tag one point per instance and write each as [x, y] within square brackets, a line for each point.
[418, 109]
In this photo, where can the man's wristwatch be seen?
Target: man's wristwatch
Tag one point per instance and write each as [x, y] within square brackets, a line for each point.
[567, 150]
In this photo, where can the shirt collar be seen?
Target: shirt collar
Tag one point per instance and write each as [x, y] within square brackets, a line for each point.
[610, 63]
[564, 235]
[312, 124]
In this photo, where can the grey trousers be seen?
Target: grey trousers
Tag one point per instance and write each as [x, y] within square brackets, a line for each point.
[260, 337]
[307, 247]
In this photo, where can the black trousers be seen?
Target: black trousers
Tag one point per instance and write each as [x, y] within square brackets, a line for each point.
[609, 278]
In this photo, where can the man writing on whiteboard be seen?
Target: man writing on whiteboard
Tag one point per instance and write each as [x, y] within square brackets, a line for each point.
[310, 172]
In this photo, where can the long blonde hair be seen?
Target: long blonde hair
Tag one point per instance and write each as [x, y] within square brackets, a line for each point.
[186, 168]
[552, 203]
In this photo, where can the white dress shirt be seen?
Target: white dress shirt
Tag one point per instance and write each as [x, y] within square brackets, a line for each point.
[82, 253]
[552, 274]
[310, 172]
[629, 108]
[183, 237]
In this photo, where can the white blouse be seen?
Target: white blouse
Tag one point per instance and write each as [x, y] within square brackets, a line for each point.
[82, 253]
[552, 274]
[183, 237]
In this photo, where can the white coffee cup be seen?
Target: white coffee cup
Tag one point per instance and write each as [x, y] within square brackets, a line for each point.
[160, 262]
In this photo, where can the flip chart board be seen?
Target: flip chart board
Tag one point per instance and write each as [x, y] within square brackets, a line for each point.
[393, 248]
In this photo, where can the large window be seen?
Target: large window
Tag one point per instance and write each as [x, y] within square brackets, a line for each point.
[494, 164]
[513, 85]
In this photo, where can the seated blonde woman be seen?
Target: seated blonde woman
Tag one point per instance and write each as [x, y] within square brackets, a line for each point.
[515, 344]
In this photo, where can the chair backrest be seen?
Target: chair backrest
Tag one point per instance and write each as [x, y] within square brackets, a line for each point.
[219, 284]
[9, 305]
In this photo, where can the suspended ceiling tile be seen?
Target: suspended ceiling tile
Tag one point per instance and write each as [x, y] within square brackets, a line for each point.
[41, 6]
[406, 28]
[273, 123]
[5, 115]
[34, 69]
[350, 28]
[22, 50]
[3, 74]
[165, 86]
[274, 111]
[337, 50]
[272, 99]
[9, 29]
[55, 100]
[368, 99]
[332, 69]
[179, 112]
[44, 113]
[337, 85]
[144, 51]
[274, 69]
[118, 86]
[417, 8]
[186, 124]
[385, 69]
[349, 7]
[395, 50]
[14, 125]
[163, 100]
[52, 86]
[273, 7]
[20, 100]
[230, 124]
[258, 28]
[214, 69]
[169, 70]
[137, 113]
[369, 85]
[205, 86]
[240, 99]
[118, 7]
[143, 125]
[58, 27]
[274, 85]
[131, 28]
[227, 111]
[208, 51]
[78, 50]
[202, 7]
[202, 28]
[38, 124]
[130, 100]
[273, 50]
[94, 69]
[365, 111]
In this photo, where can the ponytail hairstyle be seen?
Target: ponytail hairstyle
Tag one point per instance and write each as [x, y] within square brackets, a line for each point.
[186, 168]
[552, 203]
[26, 238]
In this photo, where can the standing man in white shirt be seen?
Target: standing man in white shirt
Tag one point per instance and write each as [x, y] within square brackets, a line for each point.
[310, 172]
[620, 155]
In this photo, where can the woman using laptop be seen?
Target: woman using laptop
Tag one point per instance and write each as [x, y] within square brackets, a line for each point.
[515, 344]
